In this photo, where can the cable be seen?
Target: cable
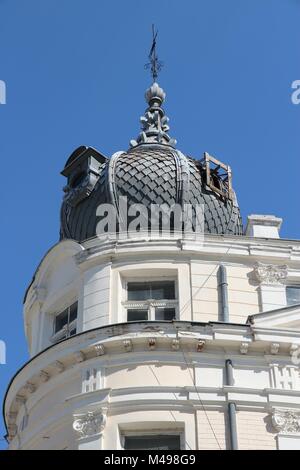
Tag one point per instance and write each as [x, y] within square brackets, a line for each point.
[201, 402]
[187, 364]
[170, 411]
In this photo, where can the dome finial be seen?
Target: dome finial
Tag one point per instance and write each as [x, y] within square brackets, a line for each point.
[154, 122]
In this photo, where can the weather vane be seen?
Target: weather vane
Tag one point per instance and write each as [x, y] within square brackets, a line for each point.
[155, 65]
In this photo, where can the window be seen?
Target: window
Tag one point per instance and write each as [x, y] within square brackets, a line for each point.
[152, 442]
[151, 300]
[65, 323]
[293, 295]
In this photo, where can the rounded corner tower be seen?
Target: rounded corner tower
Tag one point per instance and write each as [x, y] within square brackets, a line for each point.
[141, 341]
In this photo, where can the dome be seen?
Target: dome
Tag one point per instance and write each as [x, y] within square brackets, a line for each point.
[152, 171]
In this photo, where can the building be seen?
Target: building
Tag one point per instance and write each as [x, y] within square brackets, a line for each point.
[159, 339]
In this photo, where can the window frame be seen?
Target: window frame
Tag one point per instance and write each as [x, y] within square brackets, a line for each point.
[152, 432]
[150, 304]
[64, 332]
[291, 286]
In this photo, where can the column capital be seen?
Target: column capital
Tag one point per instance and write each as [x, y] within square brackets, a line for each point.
[270, 274]
[286, 421]
[91, 423]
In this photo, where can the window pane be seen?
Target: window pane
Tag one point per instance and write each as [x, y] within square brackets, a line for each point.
[166, 314]
[61, 320]
[138, 291]
[163, 442]
[163, 290]
[293, 295]
[137, 315]
[73, 312]
[151, 290]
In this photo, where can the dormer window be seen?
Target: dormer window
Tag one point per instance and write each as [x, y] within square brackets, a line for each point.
[65, 323]
[293, 295]
[151, 300]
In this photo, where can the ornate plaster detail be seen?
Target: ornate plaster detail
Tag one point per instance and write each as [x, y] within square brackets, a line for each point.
[99, 349]
[294, 349]
[20, 399]
[270, 273]
[244, 347]
[286, 421]
[44, 376]
[12, 431]
[152, 344]
[154, 123]
[58, 366]
[127, 345]
[175, 344]
[89, 424]
[274, 349]
[30, 387]
[200, 345]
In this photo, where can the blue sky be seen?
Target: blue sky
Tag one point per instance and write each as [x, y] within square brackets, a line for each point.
[74, 72]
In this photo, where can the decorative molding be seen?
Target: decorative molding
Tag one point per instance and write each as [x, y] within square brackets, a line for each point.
[200, 345]
[270, 273]
[58, 366]
[150, 303]
[175, 344]
[12, 431]
[44, 376]
[295, 349]
[232, 336]
[20, 399]
[274, 349]
[127, 345]
[152, 344]
[99, 349]
[30, 387]
[90, 424]
[286, 421]
[244, 347]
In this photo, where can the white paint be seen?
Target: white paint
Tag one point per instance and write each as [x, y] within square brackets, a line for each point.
[161, 388]
[263, 226]
[288, 442]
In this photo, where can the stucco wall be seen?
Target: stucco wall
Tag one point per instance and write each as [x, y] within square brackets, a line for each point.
[255, 431]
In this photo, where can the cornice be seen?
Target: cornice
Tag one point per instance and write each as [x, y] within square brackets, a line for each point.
[124, 339]
[229, 248]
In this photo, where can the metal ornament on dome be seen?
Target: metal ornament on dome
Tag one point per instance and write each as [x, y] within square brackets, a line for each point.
[155, 124]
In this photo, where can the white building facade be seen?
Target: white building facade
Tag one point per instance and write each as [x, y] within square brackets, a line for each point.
[160, 341]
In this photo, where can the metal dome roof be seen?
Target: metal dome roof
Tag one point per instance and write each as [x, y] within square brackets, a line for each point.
[146, 174]
[152, 171]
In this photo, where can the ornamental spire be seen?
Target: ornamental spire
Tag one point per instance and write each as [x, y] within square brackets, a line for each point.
[154, 122]
[154, 63]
